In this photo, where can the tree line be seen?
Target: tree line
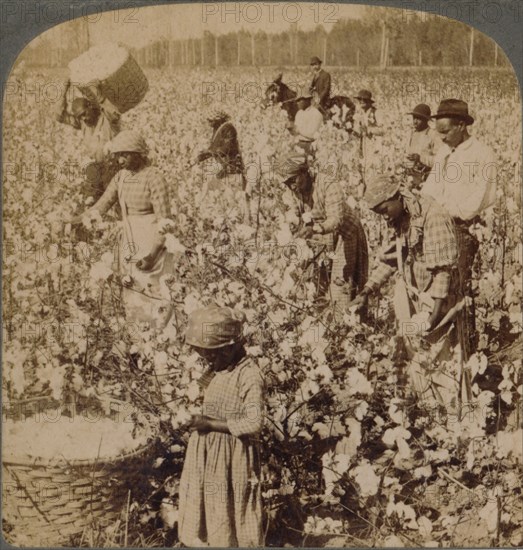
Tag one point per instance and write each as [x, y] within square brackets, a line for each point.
[381, 38]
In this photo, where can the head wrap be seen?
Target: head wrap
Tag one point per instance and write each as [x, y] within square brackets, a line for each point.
[380, 189]
[127, 141]
[216, 115]
[290, 165]
[214, 327]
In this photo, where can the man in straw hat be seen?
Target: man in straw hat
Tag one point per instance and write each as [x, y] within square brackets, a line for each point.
[320, 86]
[463, 181]
[99, 122]
[424, 142]
[426, 297]
[325, 218]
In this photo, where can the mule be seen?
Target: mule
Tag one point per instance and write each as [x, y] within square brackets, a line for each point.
[340, 109]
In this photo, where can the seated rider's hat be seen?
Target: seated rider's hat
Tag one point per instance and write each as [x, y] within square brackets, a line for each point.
[364, 94]
[315, 60]
[214, 327]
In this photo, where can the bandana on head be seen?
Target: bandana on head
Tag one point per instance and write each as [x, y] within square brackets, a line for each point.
[127, 141]
[216, 115]
[214, 327]
[291, 165]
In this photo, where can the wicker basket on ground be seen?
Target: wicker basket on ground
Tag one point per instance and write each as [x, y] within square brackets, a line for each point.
[114, 69]
[48, 501]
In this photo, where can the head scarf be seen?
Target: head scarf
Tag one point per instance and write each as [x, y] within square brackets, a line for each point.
[214, 327]
[290, 165]
[381, 189]
[217, 115]
[127, 141]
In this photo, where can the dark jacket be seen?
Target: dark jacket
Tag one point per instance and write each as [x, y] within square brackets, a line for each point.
[225, 149]
[321, 84]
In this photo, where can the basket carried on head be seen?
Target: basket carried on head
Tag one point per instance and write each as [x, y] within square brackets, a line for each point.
[47, 501]
[113, 68]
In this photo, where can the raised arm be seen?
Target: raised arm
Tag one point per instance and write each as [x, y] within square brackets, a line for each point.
[62, 115]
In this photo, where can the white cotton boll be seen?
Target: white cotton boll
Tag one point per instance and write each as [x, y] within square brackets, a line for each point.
[168, 513]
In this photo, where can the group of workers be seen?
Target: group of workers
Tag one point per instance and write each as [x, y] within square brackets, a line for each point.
[452, 183]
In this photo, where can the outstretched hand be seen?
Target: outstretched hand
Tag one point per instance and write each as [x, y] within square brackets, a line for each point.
[359, 302]
[306, 232]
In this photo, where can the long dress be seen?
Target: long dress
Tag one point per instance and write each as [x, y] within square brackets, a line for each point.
[220, 491]
[144, 200]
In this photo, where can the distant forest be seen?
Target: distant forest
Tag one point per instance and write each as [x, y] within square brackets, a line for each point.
[382, 38]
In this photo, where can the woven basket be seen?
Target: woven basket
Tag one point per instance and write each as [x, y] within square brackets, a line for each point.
[46, 502]
[124, 88]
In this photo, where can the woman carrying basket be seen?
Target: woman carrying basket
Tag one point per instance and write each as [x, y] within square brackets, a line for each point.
[143, 195]
[220, 491]
[99, 121]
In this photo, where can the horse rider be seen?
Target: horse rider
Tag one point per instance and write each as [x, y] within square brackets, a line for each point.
[320, 85]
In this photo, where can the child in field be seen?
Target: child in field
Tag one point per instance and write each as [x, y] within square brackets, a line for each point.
[220, 492]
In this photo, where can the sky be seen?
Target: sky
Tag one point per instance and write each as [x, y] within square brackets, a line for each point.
[138, 26]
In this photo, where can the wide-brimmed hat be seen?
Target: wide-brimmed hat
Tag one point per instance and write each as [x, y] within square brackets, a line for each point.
[380, 189]
[454, 108]
[214, 327]
[421, 111]
[364, 94]
[127, 141]
[315, 60]
[290, 165]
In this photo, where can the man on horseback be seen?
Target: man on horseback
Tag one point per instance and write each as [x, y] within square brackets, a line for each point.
[320, 85]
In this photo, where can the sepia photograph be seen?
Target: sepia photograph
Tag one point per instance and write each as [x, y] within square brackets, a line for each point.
[261, 276]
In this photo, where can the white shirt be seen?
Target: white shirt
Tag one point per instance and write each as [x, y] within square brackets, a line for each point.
[308, 122]
[463, 179]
